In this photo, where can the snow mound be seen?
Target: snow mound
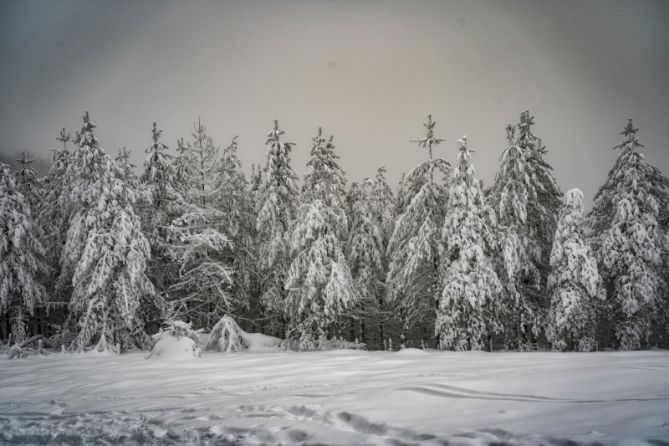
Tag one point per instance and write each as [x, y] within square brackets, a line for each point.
[227, 337]
[174, 347]
[412, 351]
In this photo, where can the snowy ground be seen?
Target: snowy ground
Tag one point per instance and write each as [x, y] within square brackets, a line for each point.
[339, 397]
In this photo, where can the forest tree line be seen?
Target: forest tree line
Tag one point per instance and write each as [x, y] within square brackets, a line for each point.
[93, 255]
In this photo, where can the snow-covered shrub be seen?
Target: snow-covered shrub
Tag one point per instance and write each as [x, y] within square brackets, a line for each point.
[177, 341]
[29, 347]
[226, 336]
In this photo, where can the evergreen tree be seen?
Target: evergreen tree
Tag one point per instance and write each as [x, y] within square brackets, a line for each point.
[27, 181]
[201, 292]
[543, 212]
[629, 241]
[413, 270]
[204, 158]
[160, 204]
[22, 263]
[371, 222]
[105, 254]
[468, 305]
[53, 214]
[277, 209]
[519, 256]
[574, 284]
[184, 170]
[319, 284]
[126, 167]
[232, 198]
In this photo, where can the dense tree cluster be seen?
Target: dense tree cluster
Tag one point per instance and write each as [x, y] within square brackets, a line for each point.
[94, 256]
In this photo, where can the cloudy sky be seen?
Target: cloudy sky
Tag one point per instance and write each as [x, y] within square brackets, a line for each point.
[367, 71]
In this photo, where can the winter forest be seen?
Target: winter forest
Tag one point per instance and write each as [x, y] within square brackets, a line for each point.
[334, 222]
[99, 254]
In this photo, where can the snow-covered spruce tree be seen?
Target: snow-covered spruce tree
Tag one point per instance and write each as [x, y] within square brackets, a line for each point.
[543, 213]
[519, 250]
[53, 211]
[22, 265]
[468, 305]
[232, 197]
[126, 167]
[106, 252]
[184, 170]
[413, 269]
[200, 294]
[371, 222]
[157, 182]
[276, 210]
[27, 181]
[629, 242]
[319, 284]
[204, 159]
[53, 214]
[160, 203]
[574, 284]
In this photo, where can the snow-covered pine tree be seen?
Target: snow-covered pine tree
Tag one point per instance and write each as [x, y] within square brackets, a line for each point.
[629, 242]
[469, 302]
[319, 283]
[105, 254]
[519, 250]
[22, 265]
[371, 222]
[277, 208]
[413, 270]
[574, 284]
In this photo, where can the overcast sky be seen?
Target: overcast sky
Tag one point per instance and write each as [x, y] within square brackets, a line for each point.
[367, 71]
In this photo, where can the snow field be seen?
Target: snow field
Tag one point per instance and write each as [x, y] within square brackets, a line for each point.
[338, 397]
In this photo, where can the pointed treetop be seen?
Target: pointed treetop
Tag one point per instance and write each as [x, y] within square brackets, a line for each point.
[155, 133]
[88, 125]
[123, 155]
[64, 137]
[182, 148]
[318, 139]
[429, 141]
[429, 125]
[510, 132]
[273, 136]
[526, 120]
[630, 132]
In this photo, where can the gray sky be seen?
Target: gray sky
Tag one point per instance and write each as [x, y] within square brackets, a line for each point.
[367, 71]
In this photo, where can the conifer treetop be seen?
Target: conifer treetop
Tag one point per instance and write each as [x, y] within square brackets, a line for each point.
[429, 141]
[632, 142]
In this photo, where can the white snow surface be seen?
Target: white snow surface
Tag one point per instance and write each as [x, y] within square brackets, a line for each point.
[171, 348]
[338, 397]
